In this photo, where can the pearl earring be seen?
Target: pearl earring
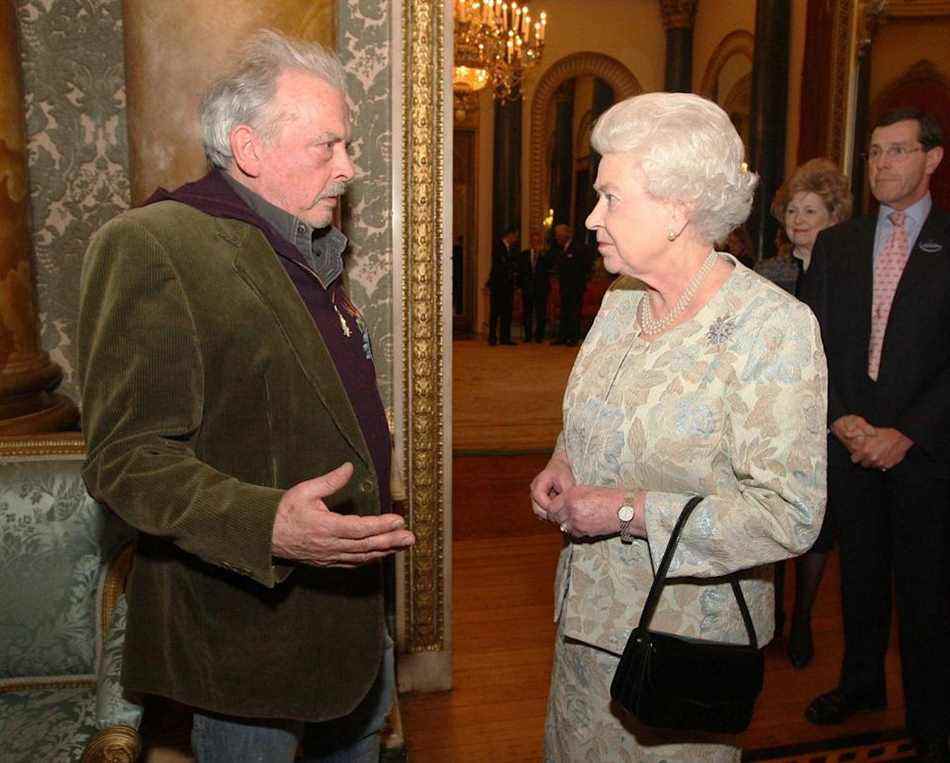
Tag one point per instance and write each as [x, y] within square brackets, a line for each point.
[671, 234]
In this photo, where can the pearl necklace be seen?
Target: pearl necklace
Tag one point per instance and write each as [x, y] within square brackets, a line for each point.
[650, 325]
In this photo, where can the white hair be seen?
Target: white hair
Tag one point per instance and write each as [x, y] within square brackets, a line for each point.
[244, 95]
[690, 153]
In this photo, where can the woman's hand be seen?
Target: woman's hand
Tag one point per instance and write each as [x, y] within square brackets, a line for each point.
[586, 511]
[552, 481]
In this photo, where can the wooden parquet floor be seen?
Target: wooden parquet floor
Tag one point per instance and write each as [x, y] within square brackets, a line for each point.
[507, 407]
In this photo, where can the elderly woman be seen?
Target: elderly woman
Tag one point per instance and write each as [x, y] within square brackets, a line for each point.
[815, 197]
[698, 377]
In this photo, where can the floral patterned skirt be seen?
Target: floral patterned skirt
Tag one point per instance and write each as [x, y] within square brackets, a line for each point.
[583, 725]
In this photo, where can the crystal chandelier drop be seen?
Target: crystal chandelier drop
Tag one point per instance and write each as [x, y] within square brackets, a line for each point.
[495, 41]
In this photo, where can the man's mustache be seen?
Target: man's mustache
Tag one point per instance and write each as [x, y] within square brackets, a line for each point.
[335, 188]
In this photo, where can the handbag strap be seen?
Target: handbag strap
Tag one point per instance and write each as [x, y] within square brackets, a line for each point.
[659, 580]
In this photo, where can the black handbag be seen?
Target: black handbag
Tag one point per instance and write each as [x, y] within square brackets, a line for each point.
[675, 682]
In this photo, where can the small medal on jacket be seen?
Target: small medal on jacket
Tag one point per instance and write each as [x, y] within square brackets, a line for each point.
[343, 324]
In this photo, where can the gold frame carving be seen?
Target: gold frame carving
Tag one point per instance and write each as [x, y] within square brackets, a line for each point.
[423, 145]
[844, 82]
[618, 76]
[42, 446]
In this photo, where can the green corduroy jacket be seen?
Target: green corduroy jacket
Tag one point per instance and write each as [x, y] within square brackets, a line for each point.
[207, 391]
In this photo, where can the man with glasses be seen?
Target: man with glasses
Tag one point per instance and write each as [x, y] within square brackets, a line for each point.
[880, 287]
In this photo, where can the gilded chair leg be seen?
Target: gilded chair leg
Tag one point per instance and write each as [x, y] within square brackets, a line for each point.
[116, 744]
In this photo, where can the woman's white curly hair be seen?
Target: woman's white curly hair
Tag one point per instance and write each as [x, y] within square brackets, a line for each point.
[690, 153]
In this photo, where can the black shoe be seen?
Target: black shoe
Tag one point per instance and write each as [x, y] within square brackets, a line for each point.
[570, 343]
[558, 341]
[800, 646]
[538, 339]
[836, 707]
[932, 750]
[508, 341]
[492, 342]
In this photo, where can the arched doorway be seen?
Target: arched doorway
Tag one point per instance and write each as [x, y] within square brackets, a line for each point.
[597, 65]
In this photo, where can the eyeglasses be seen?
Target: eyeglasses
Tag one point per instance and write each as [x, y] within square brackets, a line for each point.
[896, 154]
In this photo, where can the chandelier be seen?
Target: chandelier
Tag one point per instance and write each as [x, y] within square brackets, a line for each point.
[495, 41]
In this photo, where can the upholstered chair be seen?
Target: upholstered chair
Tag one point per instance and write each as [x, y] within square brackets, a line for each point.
[63, 561]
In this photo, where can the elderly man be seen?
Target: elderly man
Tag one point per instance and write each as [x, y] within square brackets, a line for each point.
[880, 287]
[232, 417]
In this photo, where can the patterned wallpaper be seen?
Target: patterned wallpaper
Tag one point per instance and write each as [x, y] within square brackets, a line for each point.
[73, 77]
[78, 152]
[364, 35]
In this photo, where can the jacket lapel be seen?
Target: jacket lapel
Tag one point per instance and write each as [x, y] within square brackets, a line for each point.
[926, 258]
[259, 267]
[862, 274]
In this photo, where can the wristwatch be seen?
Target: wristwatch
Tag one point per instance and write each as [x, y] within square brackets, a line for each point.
[625, 515]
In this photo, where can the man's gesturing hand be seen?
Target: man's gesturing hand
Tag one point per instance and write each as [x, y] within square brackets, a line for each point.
[306, 530]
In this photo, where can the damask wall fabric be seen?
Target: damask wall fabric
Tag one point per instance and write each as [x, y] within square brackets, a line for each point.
[364, 40]
[74, 78]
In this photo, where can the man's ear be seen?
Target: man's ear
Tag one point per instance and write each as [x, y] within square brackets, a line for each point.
[246, 149]
[934, 156]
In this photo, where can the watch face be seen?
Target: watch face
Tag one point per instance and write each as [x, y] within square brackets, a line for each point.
[625, 513]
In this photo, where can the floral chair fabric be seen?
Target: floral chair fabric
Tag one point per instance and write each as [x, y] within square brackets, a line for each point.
[62, 619]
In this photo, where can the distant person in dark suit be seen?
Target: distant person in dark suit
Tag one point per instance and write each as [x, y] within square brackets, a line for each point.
[573, 262]
[880, 287]
[501, 286]
[534, 279]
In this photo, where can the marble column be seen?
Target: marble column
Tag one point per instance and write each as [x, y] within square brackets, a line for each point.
[562, 173]
[506, 177]
[768, 117]
[28, 377]
[172, 52]
[678, 17]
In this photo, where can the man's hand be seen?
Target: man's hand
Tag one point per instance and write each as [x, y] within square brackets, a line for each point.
[886, 448]
[307, 531]
[851, 431]
[553, 480]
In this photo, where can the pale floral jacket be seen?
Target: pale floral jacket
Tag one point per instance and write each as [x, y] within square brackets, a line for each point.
[729, 405]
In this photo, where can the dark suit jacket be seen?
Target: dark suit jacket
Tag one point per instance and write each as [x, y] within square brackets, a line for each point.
[573, 265]
[207, 392]
[504, 267]
[912, 393]
[535, 283]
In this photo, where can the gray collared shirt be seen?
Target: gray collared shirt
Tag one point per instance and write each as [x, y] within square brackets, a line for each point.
[322, 248]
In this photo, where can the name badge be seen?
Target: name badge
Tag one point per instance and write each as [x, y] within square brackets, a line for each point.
[930, 247]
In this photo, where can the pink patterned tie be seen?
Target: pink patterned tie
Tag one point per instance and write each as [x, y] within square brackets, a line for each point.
[888, 268]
